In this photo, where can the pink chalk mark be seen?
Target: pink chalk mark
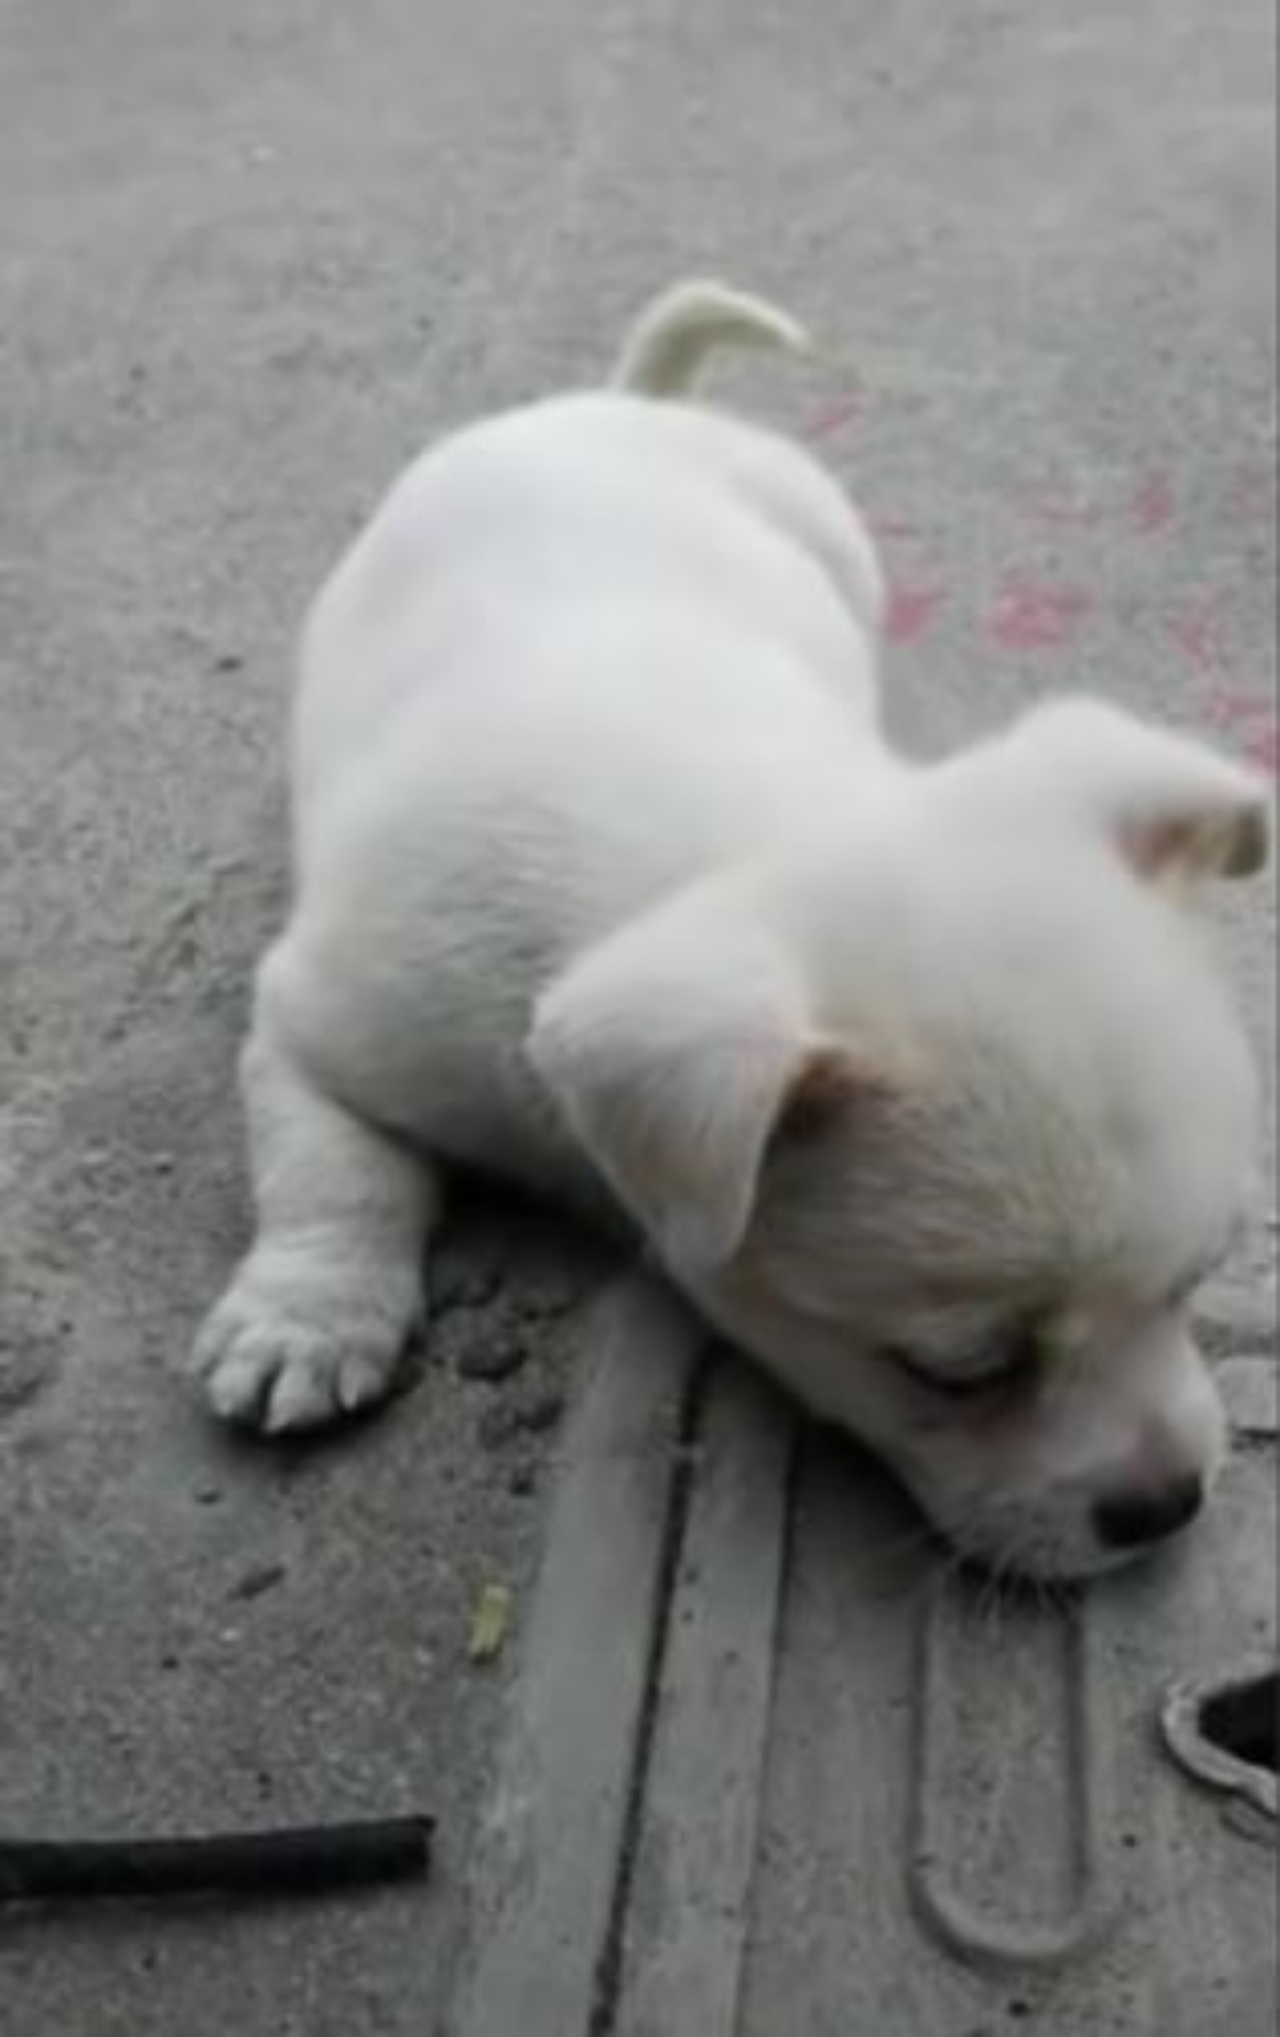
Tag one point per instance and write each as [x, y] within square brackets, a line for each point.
[1250, 717]
[1152, 506]
[1197, 632]
[1228, 707]
[1034, 615]
[835, 419]
[1263, 750]
[911, 612]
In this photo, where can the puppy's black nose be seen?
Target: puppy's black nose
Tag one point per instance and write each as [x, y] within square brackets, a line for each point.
[1124, 1520]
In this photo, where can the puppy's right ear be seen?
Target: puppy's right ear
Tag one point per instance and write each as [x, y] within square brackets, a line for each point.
[675, 1051]
[669, 1059]
[1176, 810]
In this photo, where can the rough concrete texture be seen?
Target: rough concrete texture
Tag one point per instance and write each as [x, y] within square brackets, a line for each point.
[253, 256]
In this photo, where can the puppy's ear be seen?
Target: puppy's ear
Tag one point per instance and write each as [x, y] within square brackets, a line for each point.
[673, 1060]
[1175, 810]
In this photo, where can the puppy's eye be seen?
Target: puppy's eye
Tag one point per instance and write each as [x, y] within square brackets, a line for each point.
[1002, 1363]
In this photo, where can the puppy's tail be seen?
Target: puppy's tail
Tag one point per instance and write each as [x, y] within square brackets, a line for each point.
[672, 337]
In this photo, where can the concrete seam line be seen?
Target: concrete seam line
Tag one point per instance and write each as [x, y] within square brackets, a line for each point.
[543, 1885]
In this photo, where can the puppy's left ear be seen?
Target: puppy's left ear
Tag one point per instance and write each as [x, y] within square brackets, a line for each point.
[675, 1052]
[1176, 810]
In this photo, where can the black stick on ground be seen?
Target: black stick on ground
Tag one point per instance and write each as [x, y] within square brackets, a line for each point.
[307, 1861]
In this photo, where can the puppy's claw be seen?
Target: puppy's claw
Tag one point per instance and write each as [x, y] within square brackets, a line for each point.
[303, 1396]
[361, 1380]
[263, 1366]
[237, 1389]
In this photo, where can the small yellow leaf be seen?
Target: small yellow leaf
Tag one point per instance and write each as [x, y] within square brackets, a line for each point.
[489, 1622]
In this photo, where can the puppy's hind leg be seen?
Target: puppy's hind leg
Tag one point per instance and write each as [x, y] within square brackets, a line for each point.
[320, 1311]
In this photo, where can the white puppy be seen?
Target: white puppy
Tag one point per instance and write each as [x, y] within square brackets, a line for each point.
[916, 1079]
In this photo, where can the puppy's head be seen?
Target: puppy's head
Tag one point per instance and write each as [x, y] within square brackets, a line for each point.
[945, 1120]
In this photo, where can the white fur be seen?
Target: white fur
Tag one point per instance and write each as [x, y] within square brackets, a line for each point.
[607, 878]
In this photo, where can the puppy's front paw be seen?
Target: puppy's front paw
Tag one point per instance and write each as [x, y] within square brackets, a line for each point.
[276, 1361]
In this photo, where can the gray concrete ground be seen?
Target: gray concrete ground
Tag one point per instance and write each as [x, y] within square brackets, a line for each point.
[252, 256]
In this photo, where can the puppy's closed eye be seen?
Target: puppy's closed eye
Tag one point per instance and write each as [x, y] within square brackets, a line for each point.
[1010, 1359]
